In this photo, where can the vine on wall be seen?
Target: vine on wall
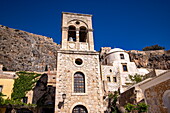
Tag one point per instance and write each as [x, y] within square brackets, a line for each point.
[24, 83]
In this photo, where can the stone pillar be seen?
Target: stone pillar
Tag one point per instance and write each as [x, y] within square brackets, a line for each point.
[64, 38]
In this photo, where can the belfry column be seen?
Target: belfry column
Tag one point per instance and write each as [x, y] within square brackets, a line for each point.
[64, 39]
[90, 40]
[77, 38]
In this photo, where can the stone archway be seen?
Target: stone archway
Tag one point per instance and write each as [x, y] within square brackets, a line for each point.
[79, 109]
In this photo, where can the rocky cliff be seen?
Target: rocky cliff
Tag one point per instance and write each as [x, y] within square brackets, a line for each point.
[158, 59]
[20, 50]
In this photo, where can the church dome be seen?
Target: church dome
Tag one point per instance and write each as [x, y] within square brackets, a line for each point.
[116, 50]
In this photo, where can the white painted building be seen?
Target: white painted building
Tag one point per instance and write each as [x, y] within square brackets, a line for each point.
[116, 68]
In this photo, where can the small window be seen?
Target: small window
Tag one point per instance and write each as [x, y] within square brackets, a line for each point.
[110, 70]
[124, 67]
[108, 79]
[114, 79]
[126, 78]
[78, 61]
[77, 22]
[106, 61]
[1, 88]
[122, 56]
[25, 100]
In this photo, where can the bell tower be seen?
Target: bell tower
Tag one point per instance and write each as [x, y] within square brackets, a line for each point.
[77, 32]
[78, 77]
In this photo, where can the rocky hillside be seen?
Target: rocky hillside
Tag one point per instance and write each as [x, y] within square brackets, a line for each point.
[158, 59]
[20, 50]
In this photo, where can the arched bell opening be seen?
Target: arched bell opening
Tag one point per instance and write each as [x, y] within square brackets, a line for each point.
[83, 34]
[72, 33]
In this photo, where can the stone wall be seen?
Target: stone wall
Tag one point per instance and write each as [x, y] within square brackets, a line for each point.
[66, 68]
[127, 97]
[20, 50]
[154, 97]
[158, 59]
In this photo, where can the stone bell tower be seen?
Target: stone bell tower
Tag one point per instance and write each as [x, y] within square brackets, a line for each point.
[78, 79]
[77, 32]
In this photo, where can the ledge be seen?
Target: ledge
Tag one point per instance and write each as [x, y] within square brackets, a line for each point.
[79, 94]
[79, 14]
[78, 52]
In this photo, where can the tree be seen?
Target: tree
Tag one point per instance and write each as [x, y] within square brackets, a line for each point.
[113, 101]
[136, 78]
[154, 47]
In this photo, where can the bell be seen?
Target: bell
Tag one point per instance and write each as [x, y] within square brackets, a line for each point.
[71, 39]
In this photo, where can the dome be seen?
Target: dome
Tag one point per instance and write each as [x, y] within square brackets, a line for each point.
[115, 50]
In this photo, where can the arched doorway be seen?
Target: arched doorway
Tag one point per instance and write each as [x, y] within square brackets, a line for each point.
[79, 109]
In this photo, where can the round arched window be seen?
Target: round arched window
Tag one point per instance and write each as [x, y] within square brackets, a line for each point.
[79, 109]
[79, 82]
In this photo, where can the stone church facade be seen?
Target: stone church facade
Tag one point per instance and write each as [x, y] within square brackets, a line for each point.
[78, 79]
[81, 76]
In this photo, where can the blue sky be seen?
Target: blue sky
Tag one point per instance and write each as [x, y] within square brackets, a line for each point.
[127, 24]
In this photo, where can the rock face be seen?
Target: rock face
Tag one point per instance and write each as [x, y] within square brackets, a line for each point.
[20, 50]
[158, 59]
[42, 93]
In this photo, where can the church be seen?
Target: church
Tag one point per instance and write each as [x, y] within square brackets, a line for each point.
[78, 79]
[84, 76]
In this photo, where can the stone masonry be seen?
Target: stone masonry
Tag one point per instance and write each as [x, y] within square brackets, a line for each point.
[66, 67]
[77, 55]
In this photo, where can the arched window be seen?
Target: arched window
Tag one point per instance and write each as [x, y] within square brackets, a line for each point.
[83, 34]
[79, 109]
[122, 56]
[71, 33]
[79, 82]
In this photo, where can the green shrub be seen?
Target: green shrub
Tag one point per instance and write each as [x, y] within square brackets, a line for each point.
[1, 99]
[142, 107]
[136, 78]
[154, 47]
[129, 107]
